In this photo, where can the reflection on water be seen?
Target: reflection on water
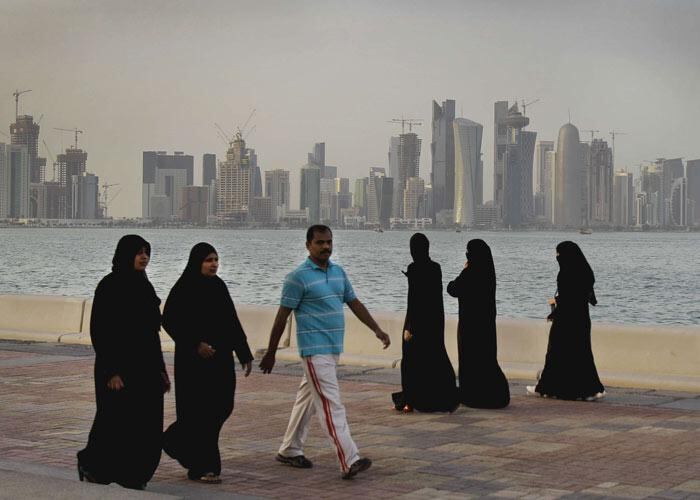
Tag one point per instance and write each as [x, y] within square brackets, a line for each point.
[640, 277]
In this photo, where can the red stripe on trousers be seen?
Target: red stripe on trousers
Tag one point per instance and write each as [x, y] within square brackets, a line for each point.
[329, 417]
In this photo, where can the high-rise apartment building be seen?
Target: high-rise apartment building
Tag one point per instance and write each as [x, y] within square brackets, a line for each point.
[692, 173]
[540, 186]
[310, 192]
[380, 193]
[467, 164]
[500, 142]
[209, 180]
[234, 183]
[678, 206]
[413, 197]
[599, 163]
[408, 153]
[195, 204]
[623, 200]
[569, 180]
[277, 188]
[84, 195]
[550, 161]
[442, 148]
[69, 164]
[515, 158]
[25, 132]
[14, 181]
[671, 169]
[359, 199]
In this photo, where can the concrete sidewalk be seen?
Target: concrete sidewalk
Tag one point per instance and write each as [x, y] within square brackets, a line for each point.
[636, 444]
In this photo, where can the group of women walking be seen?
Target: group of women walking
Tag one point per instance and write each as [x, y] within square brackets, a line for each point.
[427, 376]
[126, 438]
[127, 435]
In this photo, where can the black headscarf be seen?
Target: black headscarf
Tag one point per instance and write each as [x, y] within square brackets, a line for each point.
[574, 268]
[198, 253]
[127, 249]
[481, 263]
[420, 248]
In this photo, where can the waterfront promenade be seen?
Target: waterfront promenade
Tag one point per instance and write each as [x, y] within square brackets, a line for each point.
[635, 444]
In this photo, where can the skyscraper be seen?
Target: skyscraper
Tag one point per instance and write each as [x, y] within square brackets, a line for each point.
[600, 182]
[442, 148]
[569, 177]
[277, 188]
[359, 199]
[671, 169]
[233, 185]
[14, 181]
[500, 141]
[413, 197]
[623, 199]
[69, 164]
[164, 176]
[540, 186]
[208, 168]
[310, 195]
[516, 168]
[678, 206]
[25, 132]
[195, 204]
[84, 196]
[467, 162]
[408, 153]
[380, 193]
[550, 161]
[692, 173]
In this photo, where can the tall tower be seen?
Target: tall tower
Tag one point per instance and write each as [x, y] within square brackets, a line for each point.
[310, 195]
[600, 182]
[467, 137]
[277, 187]
[569, 176]
[692, 172]
[234, 181]
[500, 141]
[14, 181]
[25, 132]
[442, 149]
[623, 199]
[517, 206]
[408, 166]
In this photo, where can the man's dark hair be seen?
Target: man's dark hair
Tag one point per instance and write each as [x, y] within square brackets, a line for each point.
[316, 228]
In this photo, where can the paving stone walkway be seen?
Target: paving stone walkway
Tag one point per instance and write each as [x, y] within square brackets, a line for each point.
[636, 444]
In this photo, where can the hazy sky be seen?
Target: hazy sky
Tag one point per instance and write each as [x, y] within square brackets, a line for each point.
[156, 75]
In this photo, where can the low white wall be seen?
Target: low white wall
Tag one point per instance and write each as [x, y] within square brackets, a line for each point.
[645, 356]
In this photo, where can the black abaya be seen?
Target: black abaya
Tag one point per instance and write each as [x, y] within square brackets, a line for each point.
[200, 309]
[125, 441]
[482, 383]
[427, 377]
[570, 371]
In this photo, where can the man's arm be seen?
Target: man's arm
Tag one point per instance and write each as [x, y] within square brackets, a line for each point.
[268, 361]
[363, 315]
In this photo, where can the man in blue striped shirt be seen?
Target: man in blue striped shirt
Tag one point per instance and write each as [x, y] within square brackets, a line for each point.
[316, 291]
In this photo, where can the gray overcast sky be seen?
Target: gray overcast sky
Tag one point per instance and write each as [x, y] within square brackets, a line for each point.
[156, 75]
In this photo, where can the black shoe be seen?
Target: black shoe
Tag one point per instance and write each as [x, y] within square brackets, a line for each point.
[360, 465]
[300, 461]
[86, 475]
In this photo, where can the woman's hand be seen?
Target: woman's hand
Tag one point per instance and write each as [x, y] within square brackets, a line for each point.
[247, 367]
[407, 335]
[205, 350]
[166, 381]
[115, 383]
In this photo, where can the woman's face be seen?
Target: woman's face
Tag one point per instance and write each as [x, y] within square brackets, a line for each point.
[141, 260]
[210, 265]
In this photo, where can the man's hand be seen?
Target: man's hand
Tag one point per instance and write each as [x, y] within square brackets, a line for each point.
[382, 335]
[268, 362]
[205, 350]
[115, 383]
[247, 367]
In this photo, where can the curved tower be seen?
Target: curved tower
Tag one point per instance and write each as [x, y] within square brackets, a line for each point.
[568, 206]
[467, 136]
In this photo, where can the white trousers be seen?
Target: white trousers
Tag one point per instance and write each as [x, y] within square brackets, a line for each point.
[319, 392]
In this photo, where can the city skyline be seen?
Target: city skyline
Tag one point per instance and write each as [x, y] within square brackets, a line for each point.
[153, 98]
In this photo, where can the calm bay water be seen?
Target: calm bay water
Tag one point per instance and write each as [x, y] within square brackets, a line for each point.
[640, 277]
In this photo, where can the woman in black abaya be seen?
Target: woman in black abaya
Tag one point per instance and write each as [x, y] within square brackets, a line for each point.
[427, 376]
[482, 383]
[569, 370]
[125, 441]
[201, 318]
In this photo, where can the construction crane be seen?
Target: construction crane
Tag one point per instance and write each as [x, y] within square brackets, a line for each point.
[18, 93]
[613, 133]
[406, 121]
[106, 200]
[224, 134]
[249, 132]
[74, 130]
[525, 105]
[592, 132]
[241, 130]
